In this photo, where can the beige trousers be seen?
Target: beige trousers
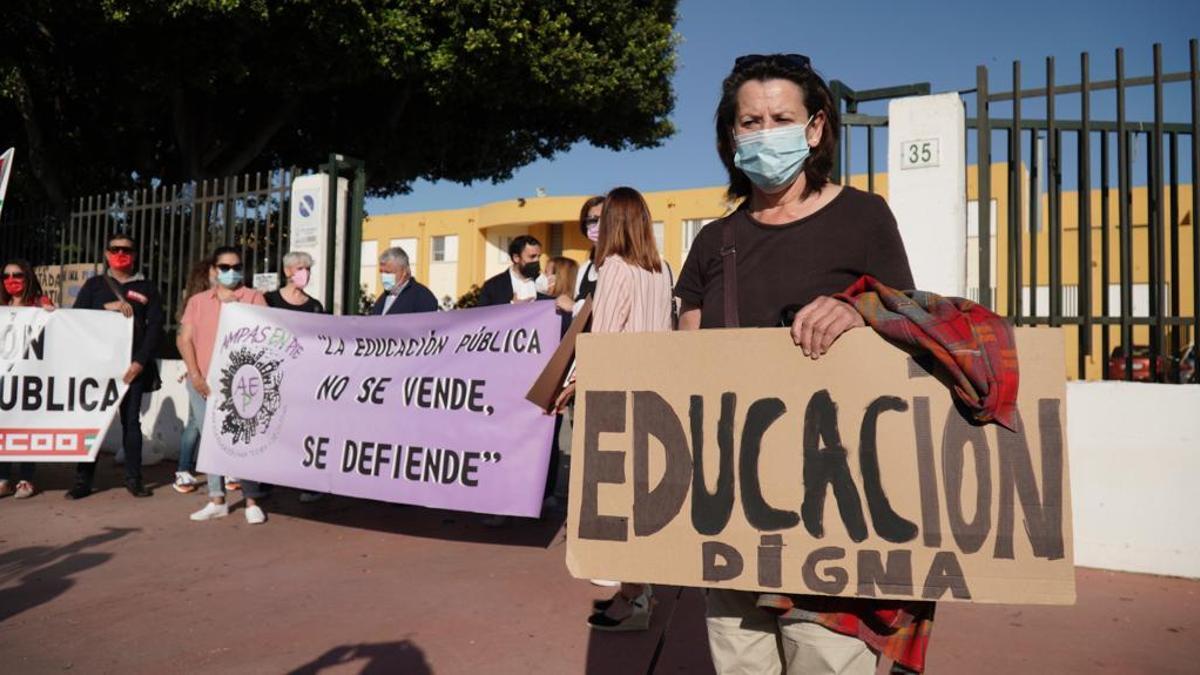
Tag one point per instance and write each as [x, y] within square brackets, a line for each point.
[746, 640]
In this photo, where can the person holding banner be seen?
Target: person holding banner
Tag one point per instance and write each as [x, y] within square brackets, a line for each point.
[196, 341]
[793, 243]
[633, 295]
[20, 289]
[296, 268]
[402, 294]
[122, 288]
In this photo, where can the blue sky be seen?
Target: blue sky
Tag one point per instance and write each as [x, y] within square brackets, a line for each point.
[865, 44]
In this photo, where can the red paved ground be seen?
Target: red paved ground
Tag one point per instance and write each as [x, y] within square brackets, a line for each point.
[111, 584]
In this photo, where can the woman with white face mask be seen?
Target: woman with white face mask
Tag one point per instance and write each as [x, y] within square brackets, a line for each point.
[795, 240]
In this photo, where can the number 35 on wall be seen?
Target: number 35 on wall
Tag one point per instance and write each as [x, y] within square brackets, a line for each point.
[919, 154]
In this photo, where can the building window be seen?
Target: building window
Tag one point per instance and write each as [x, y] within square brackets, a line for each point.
[691, 228]
[369, 265]
[659, 235]
[445, 248]
[409, 244]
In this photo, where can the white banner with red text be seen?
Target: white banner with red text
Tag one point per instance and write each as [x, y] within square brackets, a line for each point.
[60, 381]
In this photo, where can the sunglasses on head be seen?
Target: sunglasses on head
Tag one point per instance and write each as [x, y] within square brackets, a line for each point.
[14, 275]
[120, 249]
[225, 268]
[798, 60]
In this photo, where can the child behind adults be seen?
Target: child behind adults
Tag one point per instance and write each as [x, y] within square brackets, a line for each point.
[200, 279]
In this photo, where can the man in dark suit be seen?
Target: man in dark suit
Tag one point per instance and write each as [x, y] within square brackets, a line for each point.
[401, 293]
[519, 282]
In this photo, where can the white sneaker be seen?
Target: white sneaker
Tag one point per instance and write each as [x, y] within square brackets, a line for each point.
[211, 511]
[185, 482]
[255, 515]
[605, 583]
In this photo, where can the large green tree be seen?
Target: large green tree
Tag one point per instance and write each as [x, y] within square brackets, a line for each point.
[107, 94]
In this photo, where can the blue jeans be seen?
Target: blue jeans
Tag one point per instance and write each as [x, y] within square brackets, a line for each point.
[189, 443]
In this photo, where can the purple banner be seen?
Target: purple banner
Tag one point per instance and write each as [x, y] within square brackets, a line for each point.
[424, 409]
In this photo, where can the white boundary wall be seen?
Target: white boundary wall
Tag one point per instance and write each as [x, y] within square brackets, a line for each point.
[1135, 462]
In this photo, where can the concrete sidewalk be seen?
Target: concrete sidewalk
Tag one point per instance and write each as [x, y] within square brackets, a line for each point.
[114, 584]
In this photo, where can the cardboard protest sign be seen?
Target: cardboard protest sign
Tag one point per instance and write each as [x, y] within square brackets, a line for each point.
[61, 283]
[726, 458]
[424, 409]
[60, 381]
[549, 385]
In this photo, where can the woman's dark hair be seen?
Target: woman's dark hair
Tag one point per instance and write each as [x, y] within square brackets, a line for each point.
[197, 281]
[118, 236]
[225, 250]
[817, 99]
[33, 288]
[590, 204]
[518, 244]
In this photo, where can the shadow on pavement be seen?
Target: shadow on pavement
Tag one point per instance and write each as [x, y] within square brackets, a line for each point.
[677, 641]
[371, 659]
[44, 572]
[416, 521]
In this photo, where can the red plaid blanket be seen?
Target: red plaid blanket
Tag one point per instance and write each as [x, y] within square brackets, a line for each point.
[973, 348]
[974, 351]
[897, 630]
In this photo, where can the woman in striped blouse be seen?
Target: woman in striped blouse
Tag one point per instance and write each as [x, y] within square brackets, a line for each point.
[633, 295]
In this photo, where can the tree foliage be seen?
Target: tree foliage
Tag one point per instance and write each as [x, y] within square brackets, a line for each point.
[107, 94]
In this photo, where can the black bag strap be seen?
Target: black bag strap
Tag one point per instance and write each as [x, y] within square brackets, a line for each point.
[116, 290]
[729, 265]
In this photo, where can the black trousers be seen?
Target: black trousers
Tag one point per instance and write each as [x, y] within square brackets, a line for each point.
[25, 470]
[131, 439]
[555, 453]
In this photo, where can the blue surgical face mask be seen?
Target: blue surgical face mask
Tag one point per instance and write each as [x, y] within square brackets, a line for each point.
[229, 278]
[772, 158]
[388, 280]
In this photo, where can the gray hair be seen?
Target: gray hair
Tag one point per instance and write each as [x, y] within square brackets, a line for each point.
[297, 259]
[395, 254]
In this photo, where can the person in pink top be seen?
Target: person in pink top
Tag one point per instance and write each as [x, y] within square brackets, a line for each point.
[633, 295]
[196, 341]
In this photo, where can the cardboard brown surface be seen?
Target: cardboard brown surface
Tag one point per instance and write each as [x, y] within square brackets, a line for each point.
[546, 388]
[941, 509]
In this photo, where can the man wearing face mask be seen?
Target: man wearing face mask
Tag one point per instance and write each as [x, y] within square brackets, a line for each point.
[122, 288]
[520, 282]
[402, 294]
[196, 341]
